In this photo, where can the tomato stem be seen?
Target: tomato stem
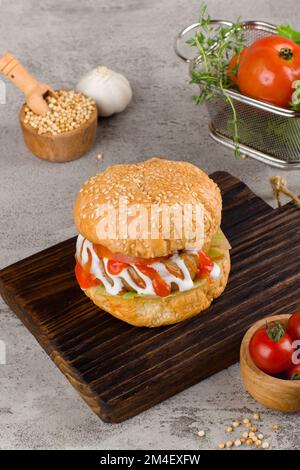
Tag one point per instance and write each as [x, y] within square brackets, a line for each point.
[275, 331]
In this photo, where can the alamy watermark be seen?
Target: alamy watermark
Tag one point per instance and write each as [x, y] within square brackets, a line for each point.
[2, 352]
[296, 354]
[150, 221]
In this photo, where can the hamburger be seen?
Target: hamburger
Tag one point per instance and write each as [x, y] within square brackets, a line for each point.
[150, 276]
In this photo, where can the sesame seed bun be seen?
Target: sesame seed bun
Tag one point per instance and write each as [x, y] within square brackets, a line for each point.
[158, 311]
[155, 181]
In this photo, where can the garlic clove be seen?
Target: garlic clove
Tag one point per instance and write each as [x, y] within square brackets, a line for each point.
[110, 90]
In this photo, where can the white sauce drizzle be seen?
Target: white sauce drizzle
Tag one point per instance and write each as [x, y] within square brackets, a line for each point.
[83, 247]
[215, 272]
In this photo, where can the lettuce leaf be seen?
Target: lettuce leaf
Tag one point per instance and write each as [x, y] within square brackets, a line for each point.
[220, 241]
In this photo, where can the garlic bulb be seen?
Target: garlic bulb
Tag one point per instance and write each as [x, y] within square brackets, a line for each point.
[110, 90]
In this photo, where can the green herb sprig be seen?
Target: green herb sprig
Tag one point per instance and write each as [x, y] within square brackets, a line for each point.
[288, 32]
[216, 46]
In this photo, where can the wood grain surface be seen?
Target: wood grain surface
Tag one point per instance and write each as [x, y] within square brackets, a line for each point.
[121, 370]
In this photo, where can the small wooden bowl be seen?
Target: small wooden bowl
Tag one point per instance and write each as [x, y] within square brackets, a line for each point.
[63, 147]
[274, 393]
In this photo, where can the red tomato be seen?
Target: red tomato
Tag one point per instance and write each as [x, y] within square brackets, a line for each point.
[293, 373]
[104, 252]
[84, 278]
[268, 68]
[205, 265]
[293, 326]
[271, 349]
[233, 66]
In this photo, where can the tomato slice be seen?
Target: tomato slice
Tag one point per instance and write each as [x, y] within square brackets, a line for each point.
[84, 278]
[206, 264]
[161, 288]
[104, 252]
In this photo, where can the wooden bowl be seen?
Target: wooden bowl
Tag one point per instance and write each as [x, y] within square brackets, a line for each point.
[274, 393]
[63, 147]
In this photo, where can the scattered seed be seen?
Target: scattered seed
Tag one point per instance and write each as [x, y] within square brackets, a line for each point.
[265, 445]
[246, 421]
[229, 444]
[245, 435]
[238, 443]
[99, 157]
[236, 424]
[249, 442]
[243, 440]
[254, 438]
[275, 427]
[253, 428]
[201, 433]
[229, 429]
[251, 434]
[257, 443]
[256, 416]
[260, 436]
[221, 445]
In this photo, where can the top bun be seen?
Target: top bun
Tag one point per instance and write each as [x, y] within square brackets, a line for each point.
[155, 181]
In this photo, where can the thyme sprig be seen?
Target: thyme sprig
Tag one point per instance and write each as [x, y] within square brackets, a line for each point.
[216, 46]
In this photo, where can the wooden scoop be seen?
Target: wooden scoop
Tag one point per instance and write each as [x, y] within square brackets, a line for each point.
[34, 91]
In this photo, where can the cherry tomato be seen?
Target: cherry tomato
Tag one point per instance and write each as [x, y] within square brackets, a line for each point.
[293, 372]
[233, 66]
[84, 278]
[268, 69]
[205, 264]
[293, 326]
[271, 349]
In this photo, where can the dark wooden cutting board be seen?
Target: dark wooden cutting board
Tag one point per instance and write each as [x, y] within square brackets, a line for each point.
[121, 370]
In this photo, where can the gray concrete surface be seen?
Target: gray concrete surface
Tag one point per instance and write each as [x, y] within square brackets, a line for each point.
[59, 40]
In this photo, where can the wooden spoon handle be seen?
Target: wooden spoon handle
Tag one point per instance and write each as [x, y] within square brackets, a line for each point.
[14, 70]
[33, 90]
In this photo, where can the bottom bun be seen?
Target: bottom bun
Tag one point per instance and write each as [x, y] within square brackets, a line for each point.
[158, 311]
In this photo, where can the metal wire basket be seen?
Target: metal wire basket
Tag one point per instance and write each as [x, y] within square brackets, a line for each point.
[268, 133]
